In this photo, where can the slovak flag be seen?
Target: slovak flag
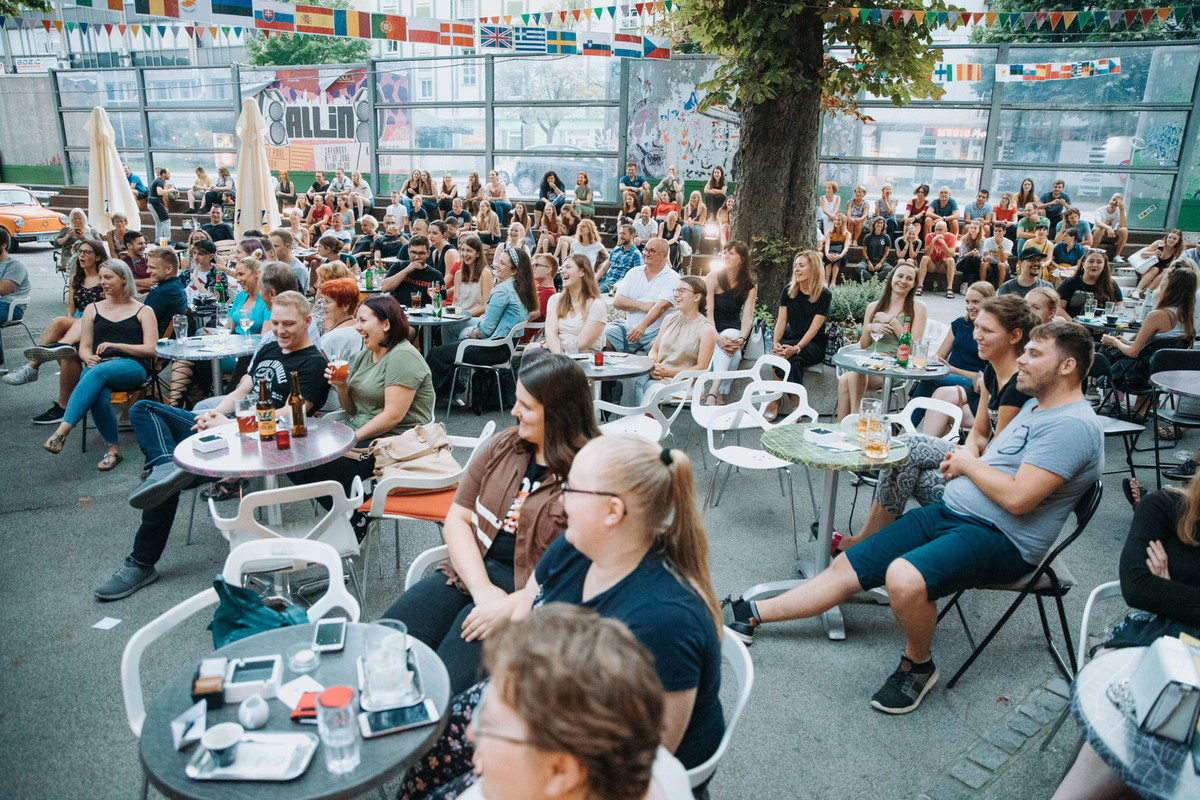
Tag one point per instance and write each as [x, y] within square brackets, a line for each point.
[656, 47]
[424, 29]
[457, 34]
[596, 44]
[627, 45]
[495, 37]
[274, 17]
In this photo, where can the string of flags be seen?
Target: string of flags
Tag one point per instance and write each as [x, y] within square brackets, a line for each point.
[1049, 21]
[1012, 73]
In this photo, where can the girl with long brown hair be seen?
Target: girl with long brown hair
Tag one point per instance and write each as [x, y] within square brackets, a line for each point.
[473, 281]
[732, 295]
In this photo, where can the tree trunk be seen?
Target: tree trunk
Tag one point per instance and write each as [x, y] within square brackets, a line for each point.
[776, 169]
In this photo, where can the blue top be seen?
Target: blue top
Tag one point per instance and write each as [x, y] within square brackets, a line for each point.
[666, 615]
[166, 300]
[137, 184]
[633, 183]
[1056, 210]
[1064, 256]
[620, 261]
[503, 310]
[935, 205]
[964, 352]
[258, 314]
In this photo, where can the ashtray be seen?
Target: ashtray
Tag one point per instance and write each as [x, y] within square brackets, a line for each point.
[301, 658]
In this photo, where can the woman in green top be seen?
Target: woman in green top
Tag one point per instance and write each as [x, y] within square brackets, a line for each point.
[389, 390]
[585, 205]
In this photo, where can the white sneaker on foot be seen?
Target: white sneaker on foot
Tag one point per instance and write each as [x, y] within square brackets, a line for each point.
[26, 374]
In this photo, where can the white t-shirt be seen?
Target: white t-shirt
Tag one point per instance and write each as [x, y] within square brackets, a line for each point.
[1110, 218]
[635, 286]
[592, 251]
[596, 311]
[990, 245]
[646, 230]
[398, 211]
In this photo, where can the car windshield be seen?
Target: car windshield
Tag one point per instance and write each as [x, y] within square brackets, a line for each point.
[16, 197]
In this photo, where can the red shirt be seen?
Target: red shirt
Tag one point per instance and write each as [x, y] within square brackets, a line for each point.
[322, 214]
[935, 251]
[544, 294]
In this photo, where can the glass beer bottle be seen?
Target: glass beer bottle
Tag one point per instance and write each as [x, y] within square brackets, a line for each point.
[264, 412]
[905, 343]
[296, 403]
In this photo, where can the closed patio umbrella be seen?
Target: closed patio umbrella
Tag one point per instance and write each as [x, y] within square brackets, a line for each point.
[108, 188]
[254, 208]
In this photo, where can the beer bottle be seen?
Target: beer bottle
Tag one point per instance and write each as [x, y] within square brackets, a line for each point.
[264, 412]
[905, 343]
[296, 404]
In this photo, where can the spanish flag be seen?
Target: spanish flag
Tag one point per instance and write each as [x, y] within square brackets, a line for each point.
[314, 19]
[157, 8]
[352, 23]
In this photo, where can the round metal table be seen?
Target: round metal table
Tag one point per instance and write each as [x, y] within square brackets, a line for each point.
[859, 360]
[617, 366]
[788, 442]
[208, 348]
[383, 758]
[1099, 325]
[1151, 766]
[426, 322]
[1183, 382]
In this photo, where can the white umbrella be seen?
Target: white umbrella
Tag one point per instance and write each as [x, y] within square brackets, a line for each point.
[255, 207]
[108, 188]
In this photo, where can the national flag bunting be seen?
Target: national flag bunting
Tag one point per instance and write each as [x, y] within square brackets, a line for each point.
[627, 45]
[656, 47]
[157, 8]
[946, 73]
[457, 34]
[596, 44]
[495, 37]
[528, 39]
[233, 8]
[561, 42]
[314, 19]
[424, 29]
[274, 16]
[388, 26]
[352, 23]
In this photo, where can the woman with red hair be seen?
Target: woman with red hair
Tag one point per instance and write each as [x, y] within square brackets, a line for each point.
[339, 340]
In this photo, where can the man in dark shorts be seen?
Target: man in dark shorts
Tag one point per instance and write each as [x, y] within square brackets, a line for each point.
[999, 516]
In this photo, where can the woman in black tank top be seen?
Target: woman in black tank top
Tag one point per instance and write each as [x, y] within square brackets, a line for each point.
[116, 348]
[732, 293]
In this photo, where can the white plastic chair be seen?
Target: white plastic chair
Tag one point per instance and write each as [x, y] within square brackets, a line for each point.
[738, 656]
[431, 506]
[749, 407]
[509, 343]
[704, 415]
[333, 528]
[264, 549]
[538, 331]
[935, 333]
[954, 412]
[650, 420]
[18, 323]
[422, 563]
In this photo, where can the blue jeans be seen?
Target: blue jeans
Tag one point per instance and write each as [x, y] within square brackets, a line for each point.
[8, 312]
[615, 333]
[502, 209]
[94, 392]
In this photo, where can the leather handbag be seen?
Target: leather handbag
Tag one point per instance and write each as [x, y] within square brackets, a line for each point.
[422, 452]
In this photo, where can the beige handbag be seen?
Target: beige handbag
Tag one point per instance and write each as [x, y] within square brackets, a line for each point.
[424, 452]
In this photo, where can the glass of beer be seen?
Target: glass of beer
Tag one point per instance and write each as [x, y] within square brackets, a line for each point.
[244, 410]
[341, 370]
[870, 409]
[879, 437]
[920, 355]
[415, 301]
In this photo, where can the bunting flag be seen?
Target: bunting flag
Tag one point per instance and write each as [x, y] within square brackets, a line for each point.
[388, 26]
[314, 19]
[356, 24]
[495, 37]
[561, 42]
[157, 8]
[656, 47]
[1016, 73]
[233, 8]
[528, 39]
[270, 16]
[596, 44]
[627, 45]
[946, 73]
[425, 29]
[1048, 20]
[457, 34]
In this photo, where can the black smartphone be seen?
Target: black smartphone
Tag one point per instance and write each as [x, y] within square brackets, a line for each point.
[381, 723]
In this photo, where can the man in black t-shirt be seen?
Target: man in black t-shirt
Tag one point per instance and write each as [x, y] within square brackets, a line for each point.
[414, 276]
[216, 229]
[160, 194]
[159, 427]
[388, 243]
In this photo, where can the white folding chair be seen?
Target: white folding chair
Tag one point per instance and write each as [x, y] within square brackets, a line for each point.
[905, 416]
[308, 551]
[332, 528]
[749, 407]
[738, 657]
[432, 505]
[704, 415]
[18, 323]
[421, 564]
[650, 420]
[508, 343]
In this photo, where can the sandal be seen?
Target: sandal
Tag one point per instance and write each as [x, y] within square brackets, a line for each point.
[920, 291]
[1167, 434]
[110, 461]
[1130, 485]
[949, 295]
[55, 443]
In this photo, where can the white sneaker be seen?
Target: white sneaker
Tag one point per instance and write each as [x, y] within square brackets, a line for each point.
[26, 374]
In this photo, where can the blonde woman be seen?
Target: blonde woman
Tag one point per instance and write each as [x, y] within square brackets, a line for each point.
[488, 225]
[686, 340]
[549, 231]
[516, 238]
[695, 214]
[835, 247]
[800, 335]
[587, 243]
[295, 226]
[195, 195]
[115, 239]
[360, 193]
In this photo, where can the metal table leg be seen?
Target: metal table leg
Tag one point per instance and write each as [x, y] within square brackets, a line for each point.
[216, 376]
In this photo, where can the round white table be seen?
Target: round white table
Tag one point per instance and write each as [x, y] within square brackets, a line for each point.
[208, 348]
[883, 365]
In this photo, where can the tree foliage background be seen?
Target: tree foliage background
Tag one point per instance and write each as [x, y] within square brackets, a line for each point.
[263, 51]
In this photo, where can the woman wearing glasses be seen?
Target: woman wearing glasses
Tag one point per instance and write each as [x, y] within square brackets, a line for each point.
[507, 510]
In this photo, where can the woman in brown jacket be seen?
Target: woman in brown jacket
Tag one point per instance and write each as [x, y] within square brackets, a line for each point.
[507, 510]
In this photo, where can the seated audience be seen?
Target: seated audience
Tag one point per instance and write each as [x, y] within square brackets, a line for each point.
[645, 227]
[340, 338]
[585, 204]
[135, 183]
[672, 185]
[909, 247]
[644, 294]
[515, 238]
[1054, 204]
[285, 190]
[715, 190]
[496, 195]
[114, 240]
[999, 515]
[943, 208]
[488, 225]
[294, 225]
[1094, 278]
[412, 277]
[887, 316]
[516, 478]
[694, 216]
[221, 193]
[958, 351]
[1029, 268]
[876, 245]
[1160, 580]
[622, 258]
[885, 209]
[360, 194]
[388, 243]
[732, 293]
[940, 249]
[473, 281]
[1151, 262]
[664, 205]
[1110, 224]
[1072, 221]
[671, 231]
[970, 253]
[1066, 255]
[549, 231]
[459, 212]
[575, 317]
[521, 216]
[117, 339]
[249, 301]
[857, 212]
[917, 210]
[980, 212]
[1028, 223]
[633, 183]
[993, 266]
[74, 233]
[550, 193]
[829, 205]
[319, 218]
[835, 247]
[1005, 215]
[686, 340]
[1046, 304]
[800, 335]
[587, 244]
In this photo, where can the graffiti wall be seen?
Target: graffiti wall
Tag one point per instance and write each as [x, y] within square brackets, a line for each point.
[666, 126]
[320, 119]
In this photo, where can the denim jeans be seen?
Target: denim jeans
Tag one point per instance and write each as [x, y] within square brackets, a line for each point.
[8, 312]
[94, 392]
[159, 428]
[502, 209]
[615, 333]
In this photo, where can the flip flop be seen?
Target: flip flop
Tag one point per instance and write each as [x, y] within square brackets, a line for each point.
[1127, 485]
[55, 443]
[110, 461]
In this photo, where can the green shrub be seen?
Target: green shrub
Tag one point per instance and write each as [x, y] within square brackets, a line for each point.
[850, 300]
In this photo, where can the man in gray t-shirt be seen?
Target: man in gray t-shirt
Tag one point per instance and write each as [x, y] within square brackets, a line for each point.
[14, 286]
[1000, 514]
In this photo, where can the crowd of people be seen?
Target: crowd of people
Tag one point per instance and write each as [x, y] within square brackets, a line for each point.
[578, 583]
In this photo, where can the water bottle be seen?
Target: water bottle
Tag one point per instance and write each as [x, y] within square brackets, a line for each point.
[1089, 304]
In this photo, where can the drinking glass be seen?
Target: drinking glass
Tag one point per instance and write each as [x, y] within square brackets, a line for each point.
[337, 724]
[875, 336]
[879, 438]
[243, 409]
[245, 323]
[415, 301]
[389, 681]
[180, 323]
[870, 415]
[920, 355]
[1110, 309]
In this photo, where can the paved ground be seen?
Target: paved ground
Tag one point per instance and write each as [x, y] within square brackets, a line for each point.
[808, 730]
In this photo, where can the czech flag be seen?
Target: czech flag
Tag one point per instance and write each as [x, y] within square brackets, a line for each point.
[457, 34]
[561, 42]
[388, 26]
[157, 8]
[656, 47]
[352, 23]
[314, 19]
[424, 29]
[596, 44]
[274, 17]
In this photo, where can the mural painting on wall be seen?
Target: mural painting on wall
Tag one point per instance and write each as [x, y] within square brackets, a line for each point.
[317, 120]
[667, 128]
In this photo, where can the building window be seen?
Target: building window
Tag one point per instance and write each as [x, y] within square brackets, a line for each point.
[426, 88]
[470, 73]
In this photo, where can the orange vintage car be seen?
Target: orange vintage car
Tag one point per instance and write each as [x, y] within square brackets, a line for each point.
[25, 219]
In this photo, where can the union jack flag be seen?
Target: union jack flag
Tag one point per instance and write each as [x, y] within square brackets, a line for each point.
[496, 37]
[527, 39]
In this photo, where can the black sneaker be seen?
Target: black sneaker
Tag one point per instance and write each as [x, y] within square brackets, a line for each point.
[740, 619]
[164, 480]
[52, 416]
[1184, 472]
[127, 580]
[906, 687]
[51, 352]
